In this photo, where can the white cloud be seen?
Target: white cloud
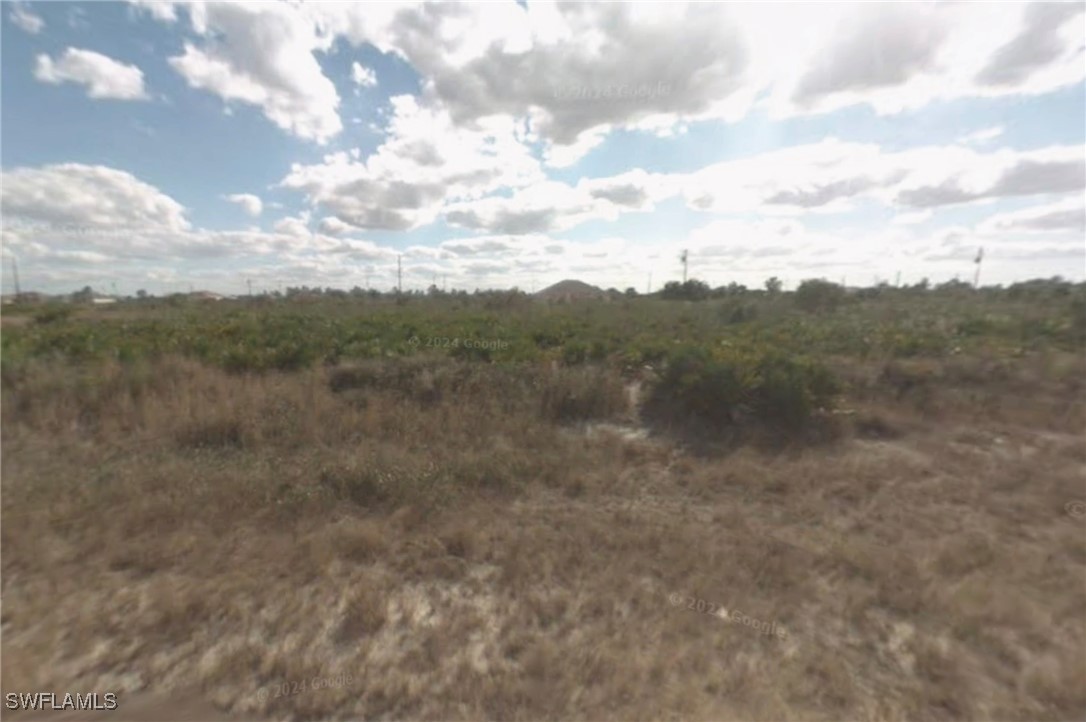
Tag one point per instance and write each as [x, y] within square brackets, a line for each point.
[263, 55]
[94, 198]
[1037, 45]
[334, 226]
[294, 225]
[361, 75]
[982, 136]
[424, 161]
[577, 71]
[1067, 216]
[21, 16]
[103, 76]
[64, 218]
[250, 203]
[554, 206]
[831, 175]
[161, 10]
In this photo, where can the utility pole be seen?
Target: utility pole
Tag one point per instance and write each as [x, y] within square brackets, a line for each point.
[15, 273]
[897, 280]
[444, 282]
[683, 259]
[250, 282]
[399, 275]
[648, 288]
[977, 260]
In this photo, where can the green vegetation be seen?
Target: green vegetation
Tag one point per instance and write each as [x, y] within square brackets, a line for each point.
[819, 319]
[735, 359]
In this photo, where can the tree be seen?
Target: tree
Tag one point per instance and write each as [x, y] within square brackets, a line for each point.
[141, 294]
[84, 296]
[773, 285]
[815, 295]
[692, 290]
[631, 292]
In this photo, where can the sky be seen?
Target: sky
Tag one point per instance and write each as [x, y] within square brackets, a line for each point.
[173, 146]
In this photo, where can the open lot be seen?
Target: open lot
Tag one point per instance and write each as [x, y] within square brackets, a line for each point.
[274, 510]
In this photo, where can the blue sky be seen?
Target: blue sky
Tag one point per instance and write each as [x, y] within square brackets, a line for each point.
[168, 145]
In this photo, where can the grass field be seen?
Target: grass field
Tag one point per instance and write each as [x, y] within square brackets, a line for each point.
[864, 506]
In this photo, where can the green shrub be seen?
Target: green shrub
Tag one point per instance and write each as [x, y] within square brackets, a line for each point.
[737, 389]
[816, 295]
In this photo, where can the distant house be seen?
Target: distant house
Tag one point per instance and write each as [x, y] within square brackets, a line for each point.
[205, 296]
[102, 300]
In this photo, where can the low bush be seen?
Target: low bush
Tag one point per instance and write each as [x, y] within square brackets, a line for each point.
[816, 295]
[736, 390]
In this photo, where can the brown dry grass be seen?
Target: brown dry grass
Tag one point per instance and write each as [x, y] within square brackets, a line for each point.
[175, 534]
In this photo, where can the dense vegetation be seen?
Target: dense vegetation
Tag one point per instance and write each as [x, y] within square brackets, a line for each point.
[735, 358]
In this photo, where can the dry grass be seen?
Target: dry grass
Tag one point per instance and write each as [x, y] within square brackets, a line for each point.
[437, 533]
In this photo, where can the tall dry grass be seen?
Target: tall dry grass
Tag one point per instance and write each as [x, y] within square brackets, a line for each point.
[450, 536]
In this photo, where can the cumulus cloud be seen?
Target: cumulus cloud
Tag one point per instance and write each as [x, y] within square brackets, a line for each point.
[262, 54]
[1037, 45]
[573, 69]
[87, 196]
[27, 21]
[424, 161]
[161, 10]
[64, 218]
[250, 203]
[882, 46]
[103, 76]
[294, 225]
[577, 71]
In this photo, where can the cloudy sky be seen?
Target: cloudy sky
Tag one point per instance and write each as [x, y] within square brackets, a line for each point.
[160, 145]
